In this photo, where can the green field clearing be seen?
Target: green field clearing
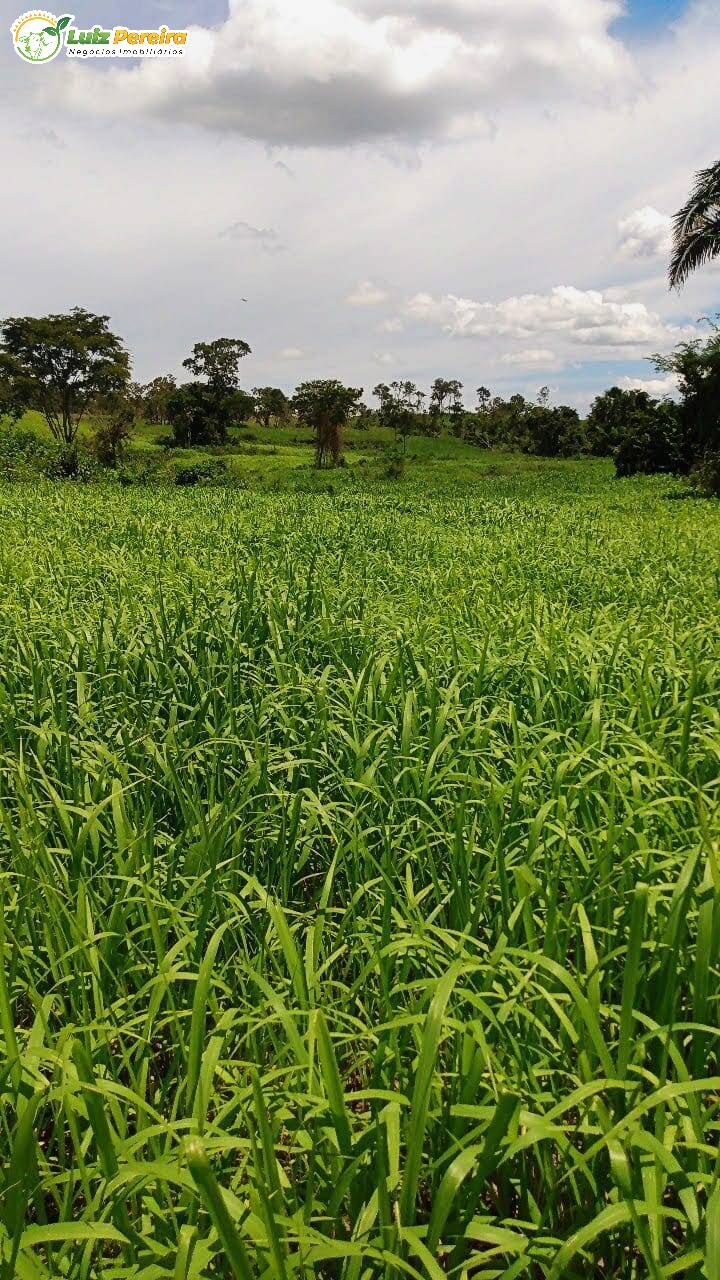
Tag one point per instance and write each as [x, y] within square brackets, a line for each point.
[368, 842]
[283, 456]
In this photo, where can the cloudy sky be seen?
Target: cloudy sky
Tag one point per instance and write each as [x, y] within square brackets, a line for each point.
[476, 189]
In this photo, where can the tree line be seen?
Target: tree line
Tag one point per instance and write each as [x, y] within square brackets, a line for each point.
[66, 366]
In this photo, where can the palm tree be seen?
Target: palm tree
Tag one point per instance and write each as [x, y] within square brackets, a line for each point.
[696, 227]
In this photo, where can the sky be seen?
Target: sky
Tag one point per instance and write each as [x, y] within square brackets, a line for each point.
[372, 189]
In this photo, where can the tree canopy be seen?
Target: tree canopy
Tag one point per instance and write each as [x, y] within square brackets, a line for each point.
[325, 405]
[59, 364]
[218, 362]
[696, 227]
[271, 405]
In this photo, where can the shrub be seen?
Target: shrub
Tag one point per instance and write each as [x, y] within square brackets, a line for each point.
[205, 473]
[67, 462]
[23, 454]
[705, 475]
[396, 463]
[112, 436]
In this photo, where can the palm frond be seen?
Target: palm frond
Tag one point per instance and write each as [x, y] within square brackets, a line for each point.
[696, 227]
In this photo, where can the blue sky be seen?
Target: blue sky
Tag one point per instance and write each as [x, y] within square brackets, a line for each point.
[392, 201]
[647, 17]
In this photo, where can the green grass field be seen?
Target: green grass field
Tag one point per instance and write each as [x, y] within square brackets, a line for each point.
[360, 876]
[282, 457]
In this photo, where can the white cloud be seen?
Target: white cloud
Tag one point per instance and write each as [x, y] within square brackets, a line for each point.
[533, 358]
[667, 386]
[383, 357]
[263, 237]
[339, 71]
[508, 214]
[367, 294]
[583, 318]
[291, 353]
[392, 325]
[646, 233]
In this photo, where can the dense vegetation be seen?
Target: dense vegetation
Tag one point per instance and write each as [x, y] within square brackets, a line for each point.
[69, 367]
[360, 878]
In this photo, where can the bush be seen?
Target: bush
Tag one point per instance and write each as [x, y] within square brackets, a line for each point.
[137, 468]
[205, 473]
[23, 454]
[705, 475]
[396, 463]
[112, 436]
[68, 463]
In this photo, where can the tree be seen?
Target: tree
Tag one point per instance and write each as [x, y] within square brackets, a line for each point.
[551, 432]
[217, 363]
[484, 398]
[609, 417]
[271, 405]
[199, 414]
[325, 406]
[696, 366]
[10, 403]
[155, 397]
[652, 441]
[399, 405]
[458, 418]
[444, 394]
[59, 364]
[696, 227]
[361, 416]
[200, 411]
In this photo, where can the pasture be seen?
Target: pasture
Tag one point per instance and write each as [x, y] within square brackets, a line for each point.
[360, 878]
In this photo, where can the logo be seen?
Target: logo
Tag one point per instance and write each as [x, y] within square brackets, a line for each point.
[38, 36]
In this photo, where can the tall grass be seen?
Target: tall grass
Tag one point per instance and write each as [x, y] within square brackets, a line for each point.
[360, 882]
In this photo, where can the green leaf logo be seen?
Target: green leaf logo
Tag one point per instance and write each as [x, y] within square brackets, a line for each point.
[50, 31]
[64, 22]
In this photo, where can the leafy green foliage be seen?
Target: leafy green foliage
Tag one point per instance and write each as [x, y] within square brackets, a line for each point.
[325, 406]
[217, 363]
[113, 434]
[200, 415]
[652, 441]
[611, 417]
[705, 475]
[60, 364]
[400, 406]
[696, 365]
[151, 400]
[552, 431]
[200, 472]
[696, 238]
[270, 405]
